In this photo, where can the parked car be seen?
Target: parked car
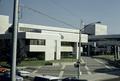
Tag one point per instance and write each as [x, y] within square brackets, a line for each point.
[2, 69]
[6, 77]
[46, 78]
[23, 73]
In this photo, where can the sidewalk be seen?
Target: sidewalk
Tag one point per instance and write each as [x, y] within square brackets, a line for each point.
[82, 62]
[109, 60]
[97, 77]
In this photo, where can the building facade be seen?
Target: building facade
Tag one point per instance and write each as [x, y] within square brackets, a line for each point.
[46, 42]
[99, 42]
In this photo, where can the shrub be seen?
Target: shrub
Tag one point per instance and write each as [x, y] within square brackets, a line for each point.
[48, 63]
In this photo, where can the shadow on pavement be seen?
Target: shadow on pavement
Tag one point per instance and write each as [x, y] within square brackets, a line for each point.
[113, 71]
[110, 62]
[114, 79]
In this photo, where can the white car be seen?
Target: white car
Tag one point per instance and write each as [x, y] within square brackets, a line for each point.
[46, 78]
[24, 73]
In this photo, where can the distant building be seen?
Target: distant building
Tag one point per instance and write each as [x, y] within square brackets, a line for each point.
[99, 42]
[96, 28]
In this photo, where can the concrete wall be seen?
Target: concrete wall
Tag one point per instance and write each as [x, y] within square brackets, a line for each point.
[4, 23]
[100, 29]
[52, 45]
[49, 28]
[70, 37]
[66, 34]
[54, 36]
[96, 29]
[50, 49]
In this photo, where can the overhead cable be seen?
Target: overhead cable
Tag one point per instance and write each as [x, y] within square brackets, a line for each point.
[62, 7]
[44, 14]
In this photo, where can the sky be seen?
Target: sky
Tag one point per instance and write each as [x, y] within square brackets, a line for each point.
[69, 11]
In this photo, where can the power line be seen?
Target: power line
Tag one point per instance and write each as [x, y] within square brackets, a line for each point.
[44, 14]
[62, 7]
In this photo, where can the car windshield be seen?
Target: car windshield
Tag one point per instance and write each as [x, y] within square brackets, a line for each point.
[67, 39]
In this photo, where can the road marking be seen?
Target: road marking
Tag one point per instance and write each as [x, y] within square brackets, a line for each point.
[36, 70]
[62, 72]
[108, 67]
[80, 72]
[86, 67]
[103, 64]
[99, 61]
[82, 60]
[88, 70]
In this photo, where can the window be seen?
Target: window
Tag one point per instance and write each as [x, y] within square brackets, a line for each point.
[37, 42]
[67, 43]
[30, 30]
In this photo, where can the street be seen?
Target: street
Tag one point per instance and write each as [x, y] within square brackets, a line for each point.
[94, 70]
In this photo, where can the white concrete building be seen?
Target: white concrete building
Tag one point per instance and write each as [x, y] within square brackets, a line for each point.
[4, 24]
[96, 29]
[52, 43]
[99, 42]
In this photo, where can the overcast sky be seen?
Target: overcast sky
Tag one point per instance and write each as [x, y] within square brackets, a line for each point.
[69, 11]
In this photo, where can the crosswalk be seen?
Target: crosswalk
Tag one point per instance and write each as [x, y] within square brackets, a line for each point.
[92, 66]
[62, 72]
[88, 70]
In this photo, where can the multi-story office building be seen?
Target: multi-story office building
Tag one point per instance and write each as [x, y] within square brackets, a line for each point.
[49, 43]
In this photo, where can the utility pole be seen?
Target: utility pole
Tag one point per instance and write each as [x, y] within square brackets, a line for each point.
[14, 39]
[79, 55]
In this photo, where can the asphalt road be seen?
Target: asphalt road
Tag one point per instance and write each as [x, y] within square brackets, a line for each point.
[94, 70]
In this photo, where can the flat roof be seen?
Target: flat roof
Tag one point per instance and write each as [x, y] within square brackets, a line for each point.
[49, 28]
[102, 37]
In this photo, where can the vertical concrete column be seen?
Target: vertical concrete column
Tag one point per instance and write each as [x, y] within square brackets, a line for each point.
[75, 49]
[88, 50]
[49, 53]
[4, 24]
[115, 55]
[58, 49]
[77, 54]
[118, 52]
